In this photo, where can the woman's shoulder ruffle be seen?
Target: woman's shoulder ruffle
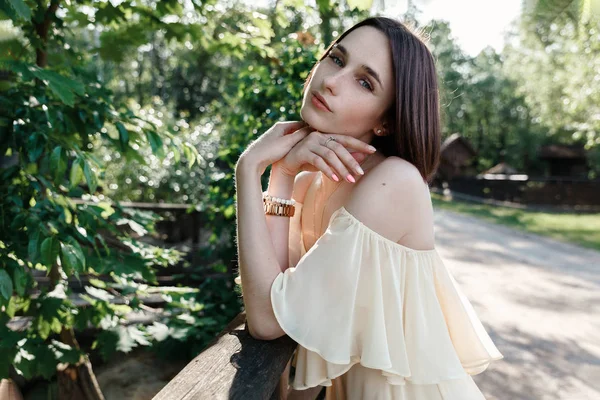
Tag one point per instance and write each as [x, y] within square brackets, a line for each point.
[359, 297]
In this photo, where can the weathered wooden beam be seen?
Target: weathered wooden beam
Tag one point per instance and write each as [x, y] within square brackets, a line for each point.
[145, 316]
[140, 205]
[234, 366]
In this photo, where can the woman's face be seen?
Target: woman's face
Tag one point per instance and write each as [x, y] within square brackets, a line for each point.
[356, 82]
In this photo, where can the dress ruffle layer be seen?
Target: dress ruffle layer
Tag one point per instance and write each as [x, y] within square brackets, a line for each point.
[361, 383]
[357, 297]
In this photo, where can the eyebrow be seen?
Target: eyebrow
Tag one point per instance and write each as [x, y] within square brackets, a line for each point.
[369, 70]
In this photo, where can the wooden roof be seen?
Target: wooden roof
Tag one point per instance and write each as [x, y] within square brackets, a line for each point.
[562, 151]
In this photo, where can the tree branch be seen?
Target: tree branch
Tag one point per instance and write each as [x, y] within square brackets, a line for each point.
[42, 31]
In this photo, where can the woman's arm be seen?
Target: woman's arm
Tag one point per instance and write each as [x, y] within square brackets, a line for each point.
[257, 260]
[259, 263]
[282, 186]
[279, 227]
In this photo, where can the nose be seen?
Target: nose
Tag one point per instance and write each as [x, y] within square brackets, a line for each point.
[331, 82]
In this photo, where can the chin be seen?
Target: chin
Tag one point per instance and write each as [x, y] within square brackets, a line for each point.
[314, 120]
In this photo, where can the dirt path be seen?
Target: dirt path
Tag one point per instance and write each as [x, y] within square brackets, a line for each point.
[540, 301]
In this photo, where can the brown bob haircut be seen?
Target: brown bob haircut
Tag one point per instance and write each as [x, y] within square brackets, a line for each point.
[413, 118]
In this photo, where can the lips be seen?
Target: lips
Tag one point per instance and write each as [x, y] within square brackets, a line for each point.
[321, 100]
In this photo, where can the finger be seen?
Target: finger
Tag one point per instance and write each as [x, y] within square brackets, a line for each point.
[337, 156]
[358, 156]
[333, 159]
[298, 135]
[303, 131]
[291, 126]
[353, 143]
[322, 165]
[346, 157]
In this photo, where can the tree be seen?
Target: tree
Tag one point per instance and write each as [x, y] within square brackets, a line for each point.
[481, 102]
[555, 61]
[52, 115]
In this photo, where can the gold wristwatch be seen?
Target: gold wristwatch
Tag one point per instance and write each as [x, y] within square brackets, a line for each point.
[284, 210]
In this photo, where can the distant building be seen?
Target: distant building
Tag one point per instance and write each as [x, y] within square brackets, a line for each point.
[502, 168]
[564, 160]
[456, 157]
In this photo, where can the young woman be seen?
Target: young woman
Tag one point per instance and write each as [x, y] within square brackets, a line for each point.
[353, 276]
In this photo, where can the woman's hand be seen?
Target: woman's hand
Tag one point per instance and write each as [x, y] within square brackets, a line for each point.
[310, 154]
[274, 144]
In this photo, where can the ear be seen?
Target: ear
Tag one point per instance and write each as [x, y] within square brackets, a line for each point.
[382, 129]
[384, 126]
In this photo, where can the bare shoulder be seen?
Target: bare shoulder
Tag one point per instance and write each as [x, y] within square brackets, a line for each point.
[390, 181]
[395, 170]
[301, 183]
[393, 200]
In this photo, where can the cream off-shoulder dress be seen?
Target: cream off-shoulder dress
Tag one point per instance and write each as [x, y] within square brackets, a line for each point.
[375, 320]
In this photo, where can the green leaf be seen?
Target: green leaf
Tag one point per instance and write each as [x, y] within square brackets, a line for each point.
[360, 4]
[58, 164]
[78, 253]
[130, 337]
[17, 222]
[76, 174]
[123, 135]
[191, 153]
[99, 293]
[49, 251]
[20, 280]
[106, 342]
[229, 211]
[176, 155]
[6, 285]
[35, 144]
[45, 361]
[7, 355]
[62, 86]
[159, 331]
[188, 155]
[65, 353]
[103, 242]
[16, 9]
[70, 260]
[11, 309]
[68, 215]
[56, 326]
[90, 177]
[98, 283]
[26, 361]
[138, 335]
[324, 6]
[155, 142]
[33, 247]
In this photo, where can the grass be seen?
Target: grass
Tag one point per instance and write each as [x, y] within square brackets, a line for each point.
[581, 229]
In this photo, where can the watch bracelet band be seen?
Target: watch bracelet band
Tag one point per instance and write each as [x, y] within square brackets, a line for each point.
[283, 210]
[274, 199]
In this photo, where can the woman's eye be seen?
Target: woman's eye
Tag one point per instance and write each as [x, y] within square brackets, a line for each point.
[336, 60]
[365, 83]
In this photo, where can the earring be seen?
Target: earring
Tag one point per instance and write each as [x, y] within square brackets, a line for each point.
[378, 130]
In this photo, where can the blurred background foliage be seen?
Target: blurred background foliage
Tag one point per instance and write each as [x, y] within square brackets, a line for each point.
[154, 101]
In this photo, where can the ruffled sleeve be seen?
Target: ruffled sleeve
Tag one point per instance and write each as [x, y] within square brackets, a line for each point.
[358, 297]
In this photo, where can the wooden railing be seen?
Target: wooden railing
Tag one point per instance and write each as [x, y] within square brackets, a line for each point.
[179, 225]
[552, 194]
[233, 366]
